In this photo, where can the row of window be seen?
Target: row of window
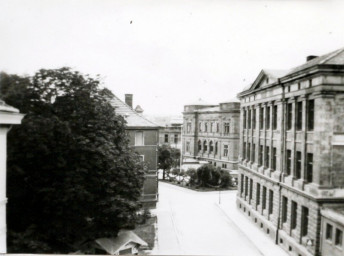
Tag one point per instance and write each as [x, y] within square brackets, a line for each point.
[294, 215]
[249, 116]
[209, 127]
[249, 153]
[175, 138]
[203, 147]
[338, 237]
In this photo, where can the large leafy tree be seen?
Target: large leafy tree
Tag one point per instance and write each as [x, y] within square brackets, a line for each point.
[71, 176]
[168, 157]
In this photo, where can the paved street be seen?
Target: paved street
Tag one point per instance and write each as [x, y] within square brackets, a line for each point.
[193, 223]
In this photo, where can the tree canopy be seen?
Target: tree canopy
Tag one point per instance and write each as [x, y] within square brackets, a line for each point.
[168, 157]
[72, 177]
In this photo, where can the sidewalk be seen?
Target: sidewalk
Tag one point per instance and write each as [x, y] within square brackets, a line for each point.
[264, 243]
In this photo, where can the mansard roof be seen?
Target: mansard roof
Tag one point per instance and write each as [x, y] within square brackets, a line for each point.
[133, 118]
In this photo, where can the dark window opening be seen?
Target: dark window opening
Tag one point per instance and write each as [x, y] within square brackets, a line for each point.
[298, 165]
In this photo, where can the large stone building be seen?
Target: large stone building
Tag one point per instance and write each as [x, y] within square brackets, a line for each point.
[292, 151]
[8, 116]
[211, 133]
[144, 137]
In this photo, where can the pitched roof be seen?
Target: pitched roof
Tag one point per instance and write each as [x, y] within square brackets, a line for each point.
[332, 58]
[133, 118]
[113, 245]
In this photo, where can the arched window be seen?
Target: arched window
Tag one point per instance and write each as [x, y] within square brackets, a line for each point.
[216, 147]
[211, 147]
[205, 146]
[199, 146]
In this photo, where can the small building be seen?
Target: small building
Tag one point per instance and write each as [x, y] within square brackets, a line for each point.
[8, 116]
[170, 133]
[332, 226]
[211, 133]
[144, 139]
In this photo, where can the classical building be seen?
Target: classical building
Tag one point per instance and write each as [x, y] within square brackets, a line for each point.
[211, 133]
[292, 150]
[170, 133]
[8, 116]
[144, 138]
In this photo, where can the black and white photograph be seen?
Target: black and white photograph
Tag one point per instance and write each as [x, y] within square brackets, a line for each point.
[172, 127]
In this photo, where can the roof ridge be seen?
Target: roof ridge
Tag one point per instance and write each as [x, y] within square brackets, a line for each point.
[331, 55]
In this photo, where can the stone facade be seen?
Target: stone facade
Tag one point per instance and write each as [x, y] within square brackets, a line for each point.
[211, 133]
[292, 149]
[170, 133]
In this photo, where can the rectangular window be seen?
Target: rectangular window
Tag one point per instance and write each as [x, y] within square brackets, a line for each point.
[217, 127]
[271, 201]
[264, 198]
[289, 116]
[261, 118]
[139, 139]
[267, 118]
[284, 209]
[205, 127]
[225, 150]
[242, 184]
[176, 138]
[298, 165]
[251, 189]
[339, 237]
[249, 119]
[309, 175]
[310, 115]
[293, 215]
[267, 157]
[188, 146]
[304, 221]
[249, 152]
[166, 138]
[260, 157]
[288, 169]
[253, 152]
[226, 126]
[246, 186]
[254, 112]
[244, 150]
[299, 116]
[200, 126]
[329, 232]
[274, 116]
[211, 127]
[188, 127]
[244, 119]
[274, 158]
[258, 194]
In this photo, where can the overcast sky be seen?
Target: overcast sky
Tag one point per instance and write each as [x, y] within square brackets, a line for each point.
[167, 52]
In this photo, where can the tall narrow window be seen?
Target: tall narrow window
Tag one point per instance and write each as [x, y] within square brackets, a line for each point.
[226, 128]
[246, 186]
[188, 127]
[284, 209]
[267, 118]
[139, 139]
[251, 189]
[216, 147]
[166, 138]
[188, 146]
[241, 184]
[205, 146]
[274, 158]
[176, 138]
[309, 174]
[249, 152]
[329, 231]
[244, 150]
[293, 215]
[254, 112]
[298, 165]
[339, 237]
[217, 127]
[260, 156]
[267, 157]
[225, 150]
[211, 147]
[304, 221]
[289, 116]
[299, 116]
[249, 119]
[288, 167]
[258, 194]
[199, 146]
[264, 198]
[274, 117]
[261, 118]
[205, 127]
[211, 127]
[271, 201]
[200, 126]
[310, 115]
[253, 152]
[244, 119]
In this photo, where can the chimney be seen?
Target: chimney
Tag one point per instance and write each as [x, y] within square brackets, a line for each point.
[310, 57]
[129, 100]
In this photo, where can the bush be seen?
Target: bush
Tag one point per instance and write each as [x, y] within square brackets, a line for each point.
[193, 176]
[225, 180]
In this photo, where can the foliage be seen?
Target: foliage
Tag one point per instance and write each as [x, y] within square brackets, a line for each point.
[192, 173]
[168, 157]
[71, 174]
[209, 176]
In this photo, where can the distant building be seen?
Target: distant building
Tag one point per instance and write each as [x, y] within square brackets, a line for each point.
[144, 137]
[292, 151]
[8, 117]
[170, 133]
[211, 133]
